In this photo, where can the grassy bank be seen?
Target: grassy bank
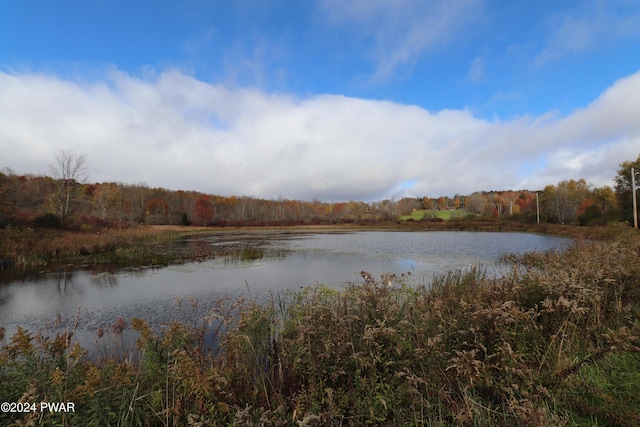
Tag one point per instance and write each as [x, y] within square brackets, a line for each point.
[30, 248]
[555, 342]
[572, 231]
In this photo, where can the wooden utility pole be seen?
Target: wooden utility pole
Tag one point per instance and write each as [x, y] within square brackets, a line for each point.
[635, 202]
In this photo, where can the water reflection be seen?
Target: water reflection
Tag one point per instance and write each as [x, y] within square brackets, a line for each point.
[104, 279]
[232, 265]
[64, 279]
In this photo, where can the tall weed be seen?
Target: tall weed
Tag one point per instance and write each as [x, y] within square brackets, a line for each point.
[553, 342]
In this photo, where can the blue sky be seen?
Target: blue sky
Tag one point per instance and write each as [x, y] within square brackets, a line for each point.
[327, 99]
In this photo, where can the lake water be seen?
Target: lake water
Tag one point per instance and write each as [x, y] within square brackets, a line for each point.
[255, 264]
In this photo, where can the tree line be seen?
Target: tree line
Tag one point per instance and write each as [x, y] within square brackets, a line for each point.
[66, 198]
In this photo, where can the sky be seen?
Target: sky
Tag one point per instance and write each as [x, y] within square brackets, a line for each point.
[323, 99]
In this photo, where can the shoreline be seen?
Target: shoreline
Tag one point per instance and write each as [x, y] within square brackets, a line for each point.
[30, 249]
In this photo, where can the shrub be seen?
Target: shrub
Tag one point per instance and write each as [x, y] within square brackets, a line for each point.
[48, 220]
[184, 219]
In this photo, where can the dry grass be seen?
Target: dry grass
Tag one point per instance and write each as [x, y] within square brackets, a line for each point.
[555, 342]
[29, 248]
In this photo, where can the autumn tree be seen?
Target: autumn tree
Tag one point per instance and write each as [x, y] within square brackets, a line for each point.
[605, 199]
[407, 205]
[526, 201]
[497, 204]
[31, 193]
[133, 205]
[442, 202]
[203, 210]
[457, 201]
[7, 204]
[157, 209]
[106, 196]
[561, 202]
[69, 172]
[477, 203]
[182, 205]
[427, 203]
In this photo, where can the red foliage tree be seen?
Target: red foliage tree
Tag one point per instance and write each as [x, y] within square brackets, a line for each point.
[203, 211]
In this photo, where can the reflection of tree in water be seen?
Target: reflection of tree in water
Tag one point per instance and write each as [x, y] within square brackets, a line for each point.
[104, 280]
[64, 279]
[5, 298]
[137, 271]
[66, 286]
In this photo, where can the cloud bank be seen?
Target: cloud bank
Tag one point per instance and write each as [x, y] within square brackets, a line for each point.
[171, 130]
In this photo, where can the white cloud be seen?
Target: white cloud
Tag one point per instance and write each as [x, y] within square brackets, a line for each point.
[591, 27]
[477, 69]
[177, 132]
[402, 31]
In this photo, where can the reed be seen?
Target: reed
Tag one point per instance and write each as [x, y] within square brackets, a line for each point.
[29, 248]
[556, 341]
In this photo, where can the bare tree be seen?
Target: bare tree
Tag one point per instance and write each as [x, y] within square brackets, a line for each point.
[69, 171]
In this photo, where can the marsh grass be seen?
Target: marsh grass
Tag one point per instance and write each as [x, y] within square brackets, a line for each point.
[557, 344]
[29, 248]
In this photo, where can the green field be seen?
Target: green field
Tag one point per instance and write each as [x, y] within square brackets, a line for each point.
[433, 213]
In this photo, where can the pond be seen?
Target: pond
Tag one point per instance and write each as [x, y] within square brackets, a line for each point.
[251, 264]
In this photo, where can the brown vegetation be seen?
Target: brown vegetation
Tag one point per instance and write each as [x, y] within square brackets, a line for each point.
[28, 248]
[554, 342]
